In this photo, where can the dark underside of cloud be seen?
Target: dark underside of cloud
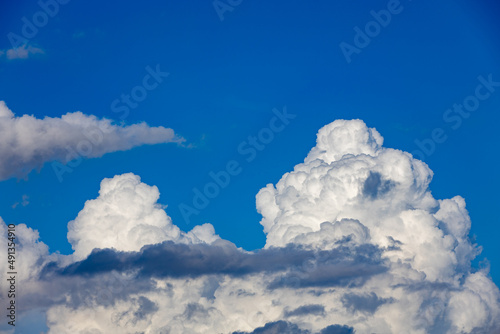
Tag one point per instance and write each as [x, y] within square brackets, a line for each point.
[285, 327]
[306, 309]
[367, 303]
[375, 186]
[295, 266]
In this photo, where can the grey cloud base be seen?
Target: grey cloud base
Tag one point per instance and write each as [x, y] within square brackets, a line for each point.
[344, 266]
[283, 327]
[355, 243]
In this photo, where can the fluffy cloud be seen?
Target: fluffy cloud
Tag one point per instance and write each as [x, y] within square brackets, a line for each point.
[355, 243]
[125, 217]
[27, 142]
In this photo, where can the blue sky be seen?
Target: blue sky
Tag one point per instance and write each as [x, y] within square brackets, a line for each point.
[225, 78]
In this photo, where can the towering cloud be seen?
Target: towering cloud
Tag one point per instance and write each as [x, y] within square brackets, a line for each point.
[125, 217]
[355, 243]
[27, 142]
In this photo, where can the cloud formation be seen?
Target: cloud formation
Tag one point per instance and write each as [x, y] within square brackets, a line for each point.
[286, 327]
[26, 142]
[355, 243]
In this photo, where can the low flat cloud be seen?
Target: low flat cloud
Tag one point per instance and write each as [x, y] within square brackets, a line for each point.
[340, 266]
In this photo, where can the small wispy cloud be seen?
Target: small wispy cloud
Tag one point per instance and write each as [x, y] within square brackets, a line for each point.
[25, 201]
[22, 52]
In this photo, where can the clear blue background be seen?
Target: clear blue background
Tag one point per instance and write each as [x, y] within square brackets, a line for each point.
[225, 78]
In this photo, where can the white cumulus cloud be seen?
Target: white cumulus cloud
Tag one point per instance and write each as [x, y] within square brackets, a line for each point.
[355, 243]
[125, 217]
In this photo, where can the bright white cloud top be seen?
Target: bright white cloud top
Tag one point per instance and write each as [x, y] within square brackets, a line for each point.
[355, 242]
[27, 142]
